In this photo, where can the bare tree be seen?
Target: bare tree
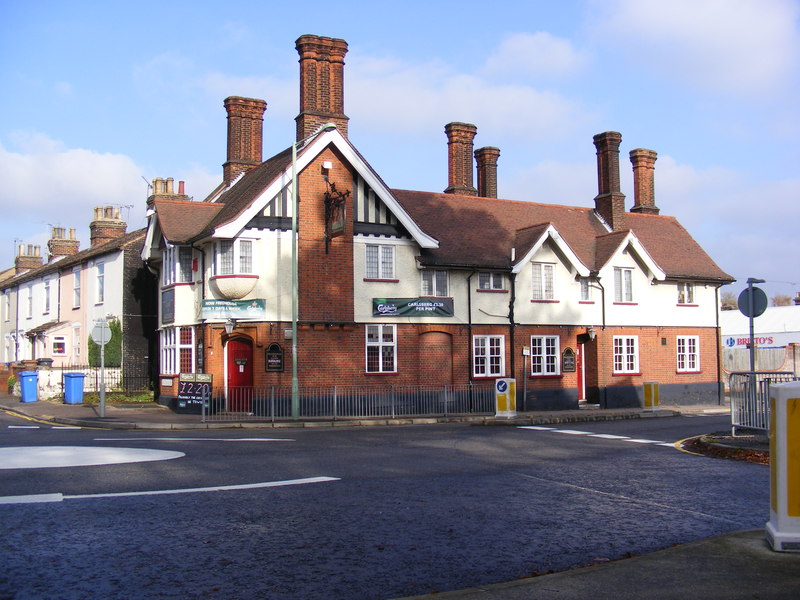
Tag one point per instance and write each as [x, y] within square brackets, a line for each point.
[728, 301]
[781, 300]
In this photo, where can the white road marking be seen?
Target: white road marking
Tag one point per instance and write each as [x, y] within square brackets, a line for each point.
[42, 457]
[190, 439]
[23, 427]
[57, 497]
[605, 436]
[60, 427]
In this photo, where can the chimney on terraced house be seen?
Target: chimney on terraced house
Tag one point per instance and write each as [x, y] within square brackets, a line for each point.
[27, 258]
[486, 158]
[321, 84]
[644, 194]
[61, 245]
[245, 126]
[459, 158]
[106, 225]
[610, 201]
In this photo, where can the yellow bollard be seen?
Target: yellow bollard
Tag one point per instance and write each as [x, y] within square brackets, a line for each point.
[783, 528]
[505, 397]
[651, 395]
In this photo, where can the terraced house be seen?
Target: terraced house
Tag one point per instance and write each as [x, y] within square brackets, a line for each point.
[398, 287]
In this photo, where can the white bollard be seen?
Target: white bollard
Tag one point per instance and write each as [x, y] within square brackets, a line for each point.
[783, 528]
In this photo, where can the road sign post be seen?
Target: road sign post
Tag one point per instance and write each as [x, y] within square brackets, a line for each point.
[101, 335]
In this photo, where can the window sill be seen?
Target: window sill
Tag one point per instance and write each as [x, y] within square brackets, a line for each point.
[586, 302]
[480, 291]
[372, 374]
[549, 376]
[486, 377]
[637, 374]
[626, 304]
[688, 372]
[687, 305]
[378, 280]
[177, 284]
[545, 301]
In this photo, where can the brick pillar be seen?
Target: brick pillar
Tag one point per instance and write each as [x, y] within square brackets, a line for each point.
[459, 158]
[245, 125]
[610, 201]
[486, 158]
[321, 84]
[644, 194]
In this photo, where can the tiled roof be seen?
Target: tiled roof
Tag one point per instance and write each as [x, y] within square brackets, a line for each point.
[480, 232]
[182, 220]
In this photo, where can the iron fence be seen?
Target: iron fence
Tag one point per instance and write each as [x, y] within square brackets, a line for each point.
[750, 398]
[115, 379]
[342, 402]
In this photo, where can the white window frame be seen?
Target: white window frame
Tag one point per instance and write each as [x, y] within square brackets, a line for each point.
[382, 345]
[177, 265]
[491, 281]
[688, 353]
[100, 278]
[171, 346]
[76, 342]
[435, 283]
[62, 339]
[586, 289]
[29, 302]
[379, 261]
[543, 281]
[488, 355]
[238, 262]
[6, 305]
[46, 297]
[545, 355]
[685, 292]
[76, 287]
[626, 354]
[623, 284]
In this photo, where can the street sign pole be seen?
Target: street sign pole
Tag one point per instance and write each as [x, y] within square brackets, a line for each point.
[101, 335]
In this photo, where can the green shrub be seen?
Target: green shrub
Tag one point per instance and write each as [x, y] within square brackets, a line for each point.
[113, 350]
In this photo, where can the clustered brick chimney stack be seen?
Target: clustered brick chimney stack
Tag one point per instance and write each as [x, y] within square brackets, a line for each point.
[27, 258]
[321, 84]
[245, 131]
[644, 195]
[164, 189]
[61, 245]
[610, 201]
[106, 226]
[486, 158]
[460, 138]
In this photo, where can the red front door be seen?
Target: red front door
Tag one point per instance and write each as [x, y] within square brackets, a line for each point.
[239, 358]
[580, 373]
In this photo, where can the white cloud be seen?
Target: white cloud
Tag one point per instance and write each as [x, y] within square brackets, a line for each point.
[747, 47]
[534, 55]
[417, 98]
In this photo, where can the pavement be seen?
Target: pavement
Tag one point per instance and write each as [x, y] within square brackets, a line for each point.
[738, 565]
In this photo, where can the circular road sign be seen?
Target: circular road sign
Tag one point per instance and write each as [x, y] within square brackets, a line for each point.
[101, 333]
[759, 302]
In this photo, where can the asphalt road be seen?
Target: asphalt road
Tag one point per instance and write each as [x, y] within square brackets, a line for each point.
[370, 512]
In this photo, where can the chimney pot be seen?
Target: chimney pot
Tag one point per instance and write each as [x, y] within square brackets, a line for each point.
[644, 195]
[486, 158]
[610, 201]
[245, 130]
[321, 84]
[460, 138]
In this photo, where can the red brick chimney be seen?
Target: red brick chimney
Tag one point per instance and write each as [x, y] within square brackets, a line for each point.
[321, 84]
[27, 259]
[164, 189]
[459, 158]
[245, 125]
[644, 193]
[106, 226]
[486, 158]
[61, 245]
[610, 201]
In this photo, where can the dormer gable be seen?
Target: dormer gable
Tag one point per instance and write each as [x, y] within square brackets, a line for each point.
[610, 247]
[530, 240]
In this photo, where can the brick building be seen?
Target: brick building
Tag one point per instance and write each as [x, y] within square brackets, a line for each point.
[409, 287]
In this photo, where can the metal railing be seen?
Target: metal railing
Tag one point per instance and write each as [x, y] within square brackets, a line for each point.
[750, 398]
[115, 379]
[342, 402]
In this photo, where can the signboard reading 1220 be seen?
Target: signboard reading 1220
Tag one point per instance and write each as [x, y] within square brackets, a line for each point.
[412, 307]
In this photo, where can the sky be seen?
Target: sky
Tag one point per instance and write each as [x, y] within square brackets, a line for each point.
[99, 98]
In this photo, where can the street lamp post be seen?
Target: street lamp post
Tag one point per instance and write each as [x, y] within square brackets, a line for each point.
[295, 383]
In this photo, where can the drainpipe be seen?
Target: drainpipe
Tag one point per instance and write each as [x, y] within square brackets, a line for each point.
[604, 403]
[469, 334]
[511, 330]
[720, 384]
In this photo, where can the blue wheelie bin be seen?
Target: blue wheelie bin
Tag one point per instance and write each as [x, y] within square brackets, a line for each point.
[73, 388]
[29, 386]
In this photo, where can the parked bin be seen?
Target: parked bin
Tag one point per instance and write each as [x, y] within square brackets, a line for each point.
[29, 386]
[73, 388]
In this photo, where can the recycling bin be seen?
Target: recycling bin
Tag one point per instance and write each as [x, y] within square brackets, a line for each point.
[29, 386]
[73, 388]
